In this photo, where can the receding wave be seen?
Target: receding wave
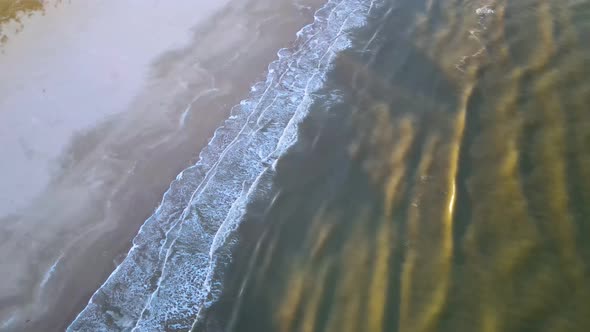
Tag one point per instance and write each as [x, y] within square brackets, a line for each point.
[173, 269]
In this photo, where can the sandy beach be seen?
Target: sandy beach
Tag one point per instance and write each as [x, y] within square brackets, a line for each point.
[100, 108]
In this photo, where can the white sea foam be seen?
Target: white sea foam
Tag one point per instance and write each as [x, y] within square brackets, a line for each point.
[484, 11]
[185, 113]
[170, 273]
[51, 271]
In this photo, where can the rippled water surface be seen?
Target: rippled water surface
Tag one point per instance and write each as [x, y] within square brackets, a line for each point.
[446, 188]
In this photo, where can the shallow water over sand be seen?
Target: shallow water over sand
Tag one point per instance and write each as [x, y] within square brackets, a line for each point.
[446, 189]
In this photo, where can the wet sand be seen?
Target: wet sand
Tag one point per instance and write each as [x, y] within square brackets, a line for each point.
[66, 240]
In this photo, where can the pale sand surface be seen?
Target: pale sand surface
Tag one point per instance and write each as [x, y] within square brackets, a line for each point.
[96, 120]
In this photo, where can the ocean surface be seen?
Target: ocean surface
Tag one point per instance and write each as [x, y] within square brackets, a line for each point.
[440, 180]
[406, 165]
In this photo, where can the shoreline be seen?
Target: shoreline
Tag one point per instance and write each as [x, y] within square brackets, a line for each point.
[160, 149]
